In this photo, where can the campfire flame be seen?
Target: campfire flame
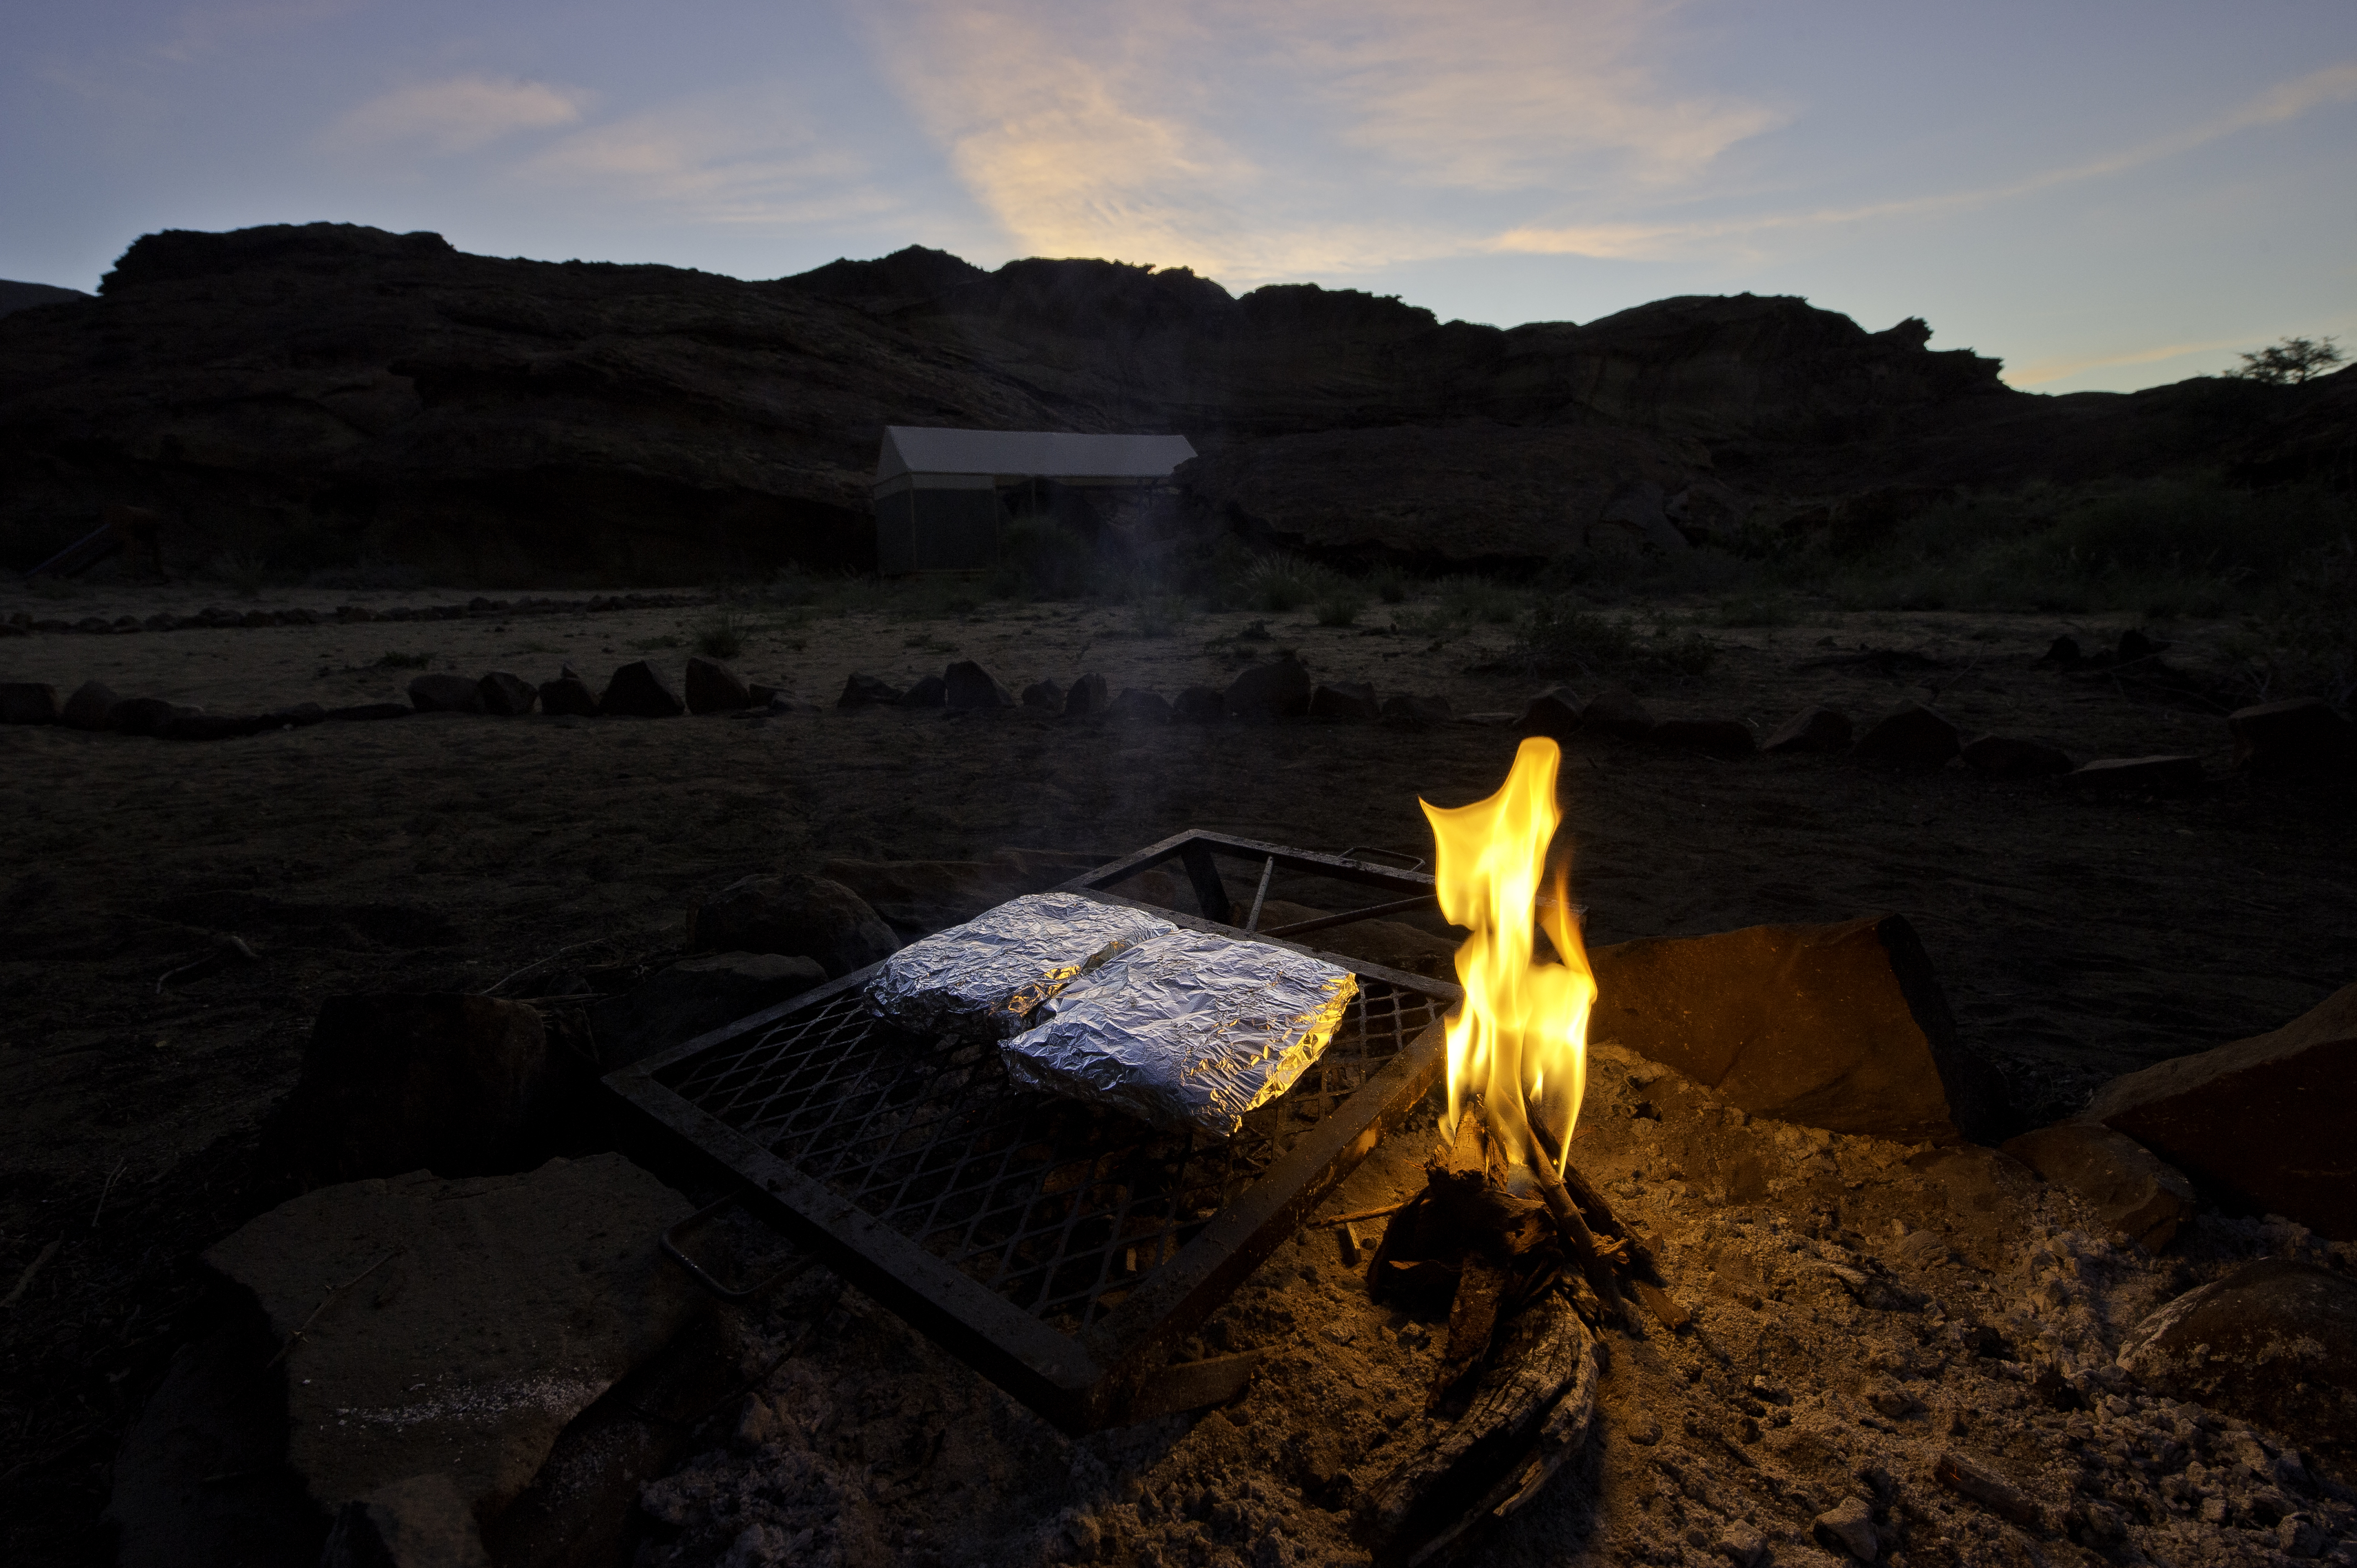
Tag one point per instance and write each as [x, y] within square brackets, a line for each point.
[1519, 1043]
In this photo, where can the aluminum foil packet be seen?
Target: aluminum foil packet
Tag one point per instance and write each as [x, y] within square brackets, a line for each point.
[988, 976]
[1184, 1030]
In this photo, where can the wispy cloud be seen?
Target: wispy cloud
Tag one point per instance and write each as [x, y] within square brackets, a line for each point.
[2045, 371]
[722, 162]
[1251, 142]
[460, 114]
[2286, 100]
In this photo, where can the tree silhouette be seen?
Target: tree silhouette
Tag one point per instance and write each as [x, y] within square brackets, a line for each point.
[2290, 361]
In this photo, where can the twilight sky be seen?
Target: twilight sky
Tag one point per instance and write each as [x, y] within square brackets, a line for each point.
[2106, 195]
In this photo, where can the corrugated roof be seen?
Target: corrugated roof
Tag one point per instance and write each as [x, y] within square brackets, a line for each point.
[924, 449]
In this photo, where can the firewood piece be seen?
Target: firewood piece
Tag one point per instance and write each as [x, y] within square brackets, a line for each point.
[1666, 1312]
[1601, 1219]
[1353, 1217]
[1964, 1477]
[1578, 1241]
[1348, 1238]
[1395, 1237]
[1534, 1403]
[1472, 1321]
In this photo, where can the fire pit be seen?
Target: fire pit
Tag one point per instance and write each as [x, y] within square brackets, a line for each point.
[1061, 1251]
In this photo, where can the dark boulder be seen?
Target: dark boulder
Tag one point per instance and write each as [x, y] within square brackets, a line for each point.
[1198, 706]
[795, 913]
[446, 694]
[2004, 757]
[568, 696]
[2130, 1189]
[2274, 1343]
[966, 687]
[1912, 738]
[2152, 775]
[28, 702]
[362, 712]
[1279, 688]
[1044, 696]
[1724, 738]
[1351, 701]
[714, 688]
[1138, 706]
[2303, 738]
[929, 692]
[509, 696]
[146, 715]
[694, 996]
[1617, 711]
[1841, 1027]
[1087, 696]
[1554, 714]
[1409, 711]
[87, 707]
[2267, 1124]
[638, 691]
[459, 1085]
[868, 692]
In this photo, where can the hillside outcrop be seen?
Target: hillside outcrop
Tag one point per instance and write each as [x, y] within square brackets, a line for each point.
[318, 395]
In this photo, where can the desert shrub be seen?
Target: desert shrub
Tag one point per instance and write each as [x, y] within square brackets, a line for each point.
[1561, 638]
[721, 637]
[246, 571]
[2304, 642]
[1039, 558]
[1389, 583]
[1283, 583]
[1478, 601]
[1341, 607]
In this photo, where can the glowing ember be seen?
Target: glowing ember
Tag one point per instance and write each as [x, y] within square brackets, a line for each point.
[1520, 1041]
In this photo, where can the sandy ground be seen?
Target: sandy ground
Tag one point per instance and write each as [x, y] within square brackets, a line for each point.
[2077, 938]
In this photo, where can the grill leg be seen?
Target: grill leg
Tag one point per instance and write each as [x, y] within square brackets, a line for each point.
[1210, 893]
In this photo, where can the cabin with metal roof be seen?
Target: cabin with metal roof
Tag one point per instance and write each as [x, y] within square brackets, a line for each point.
[944, 496]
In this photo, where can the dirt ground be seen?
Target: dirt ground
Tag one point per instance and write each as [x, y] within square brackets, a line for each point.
[2077, 936]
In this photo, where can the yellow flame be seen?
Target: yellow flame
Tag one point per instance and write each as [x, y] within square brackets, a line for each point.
[1519, 1040]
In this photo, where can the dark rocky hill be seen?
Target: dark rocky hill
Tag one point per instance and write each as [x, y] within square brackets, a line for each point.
[320, 393]
[16, 296]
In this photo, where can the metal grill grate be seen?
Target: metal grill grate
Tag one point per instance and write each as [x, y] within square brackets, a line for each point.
[1061, 1209]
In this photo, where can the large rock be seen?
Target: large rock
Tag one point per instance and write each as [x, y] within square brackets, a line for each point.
[714, 688]
[966, 687]
[27, 703]
[930, 692]
[694, 996]
[2267, 1124]
[1554, 714]
[638, 691]
[2300, 737]
[1912, 736]
[457, 1084]
[1840, 1026]
[1044, 696]
[446, 694]
[1198, 706]
[1088, 694]
[2119, 1178]
[795, 913]
[1139, 706]
[568, 696]
[2274, 1343]
[1415, 710]
[1617, 711]
[87, 707]
[440, 1334]
[1278, 689]
[1811, 729]
[868, 692]
[150, 715]
[508, 696]
[1353, 701]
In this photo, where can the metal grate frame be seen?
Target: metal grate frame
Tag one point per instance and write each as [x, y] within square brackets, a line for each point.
[1061, 1250]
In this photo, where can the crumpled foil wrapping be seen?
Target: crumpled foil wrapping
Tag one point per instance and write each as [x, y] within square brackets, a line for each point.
[986, 976]
[1184, 1030]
